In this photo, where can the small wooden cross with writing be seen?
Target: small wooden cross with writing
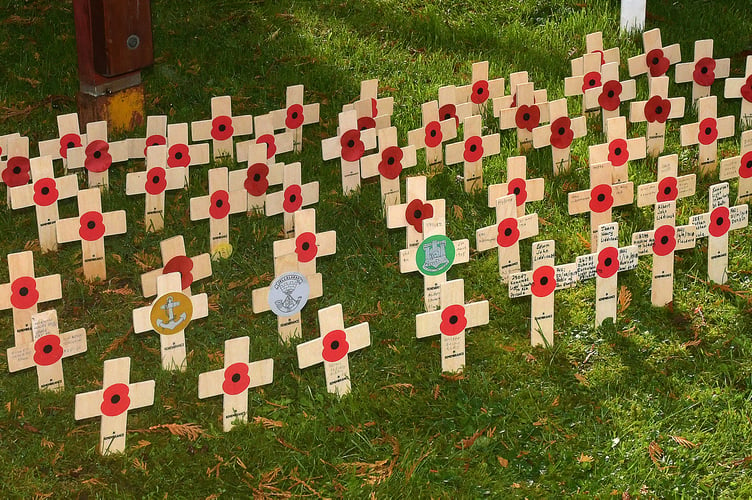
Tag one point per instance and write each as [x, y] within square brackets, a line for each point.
[4, 139]
[294, 196]
[609, 96]
[349, 145]
[526, 111]
[481, 88]
[594, 43]
[98, 154]
[703, 71]
[559, 134]
[433, 133]
[222, 127]
[372, 112]
[471, 151]
[740, 167]
[112, 403]
[332, 348]
[655, 111]
[706, 132]
[669, 186]
[657, 59]
[307, 244]
[586, 74]
[742, 88]
[518, 184]
[175, 260]
[388, 164]
[70, 137]
[295, 115]
[16, 170]
[275, 143]
[234, 380]
[451, 105]
[260, 174]
[418, 214]
[451, 321]
[618, 149]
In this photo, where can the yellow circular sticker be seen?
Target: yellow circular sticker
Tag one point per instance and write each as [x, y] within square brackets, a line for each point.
[222, 251]
[171, 313]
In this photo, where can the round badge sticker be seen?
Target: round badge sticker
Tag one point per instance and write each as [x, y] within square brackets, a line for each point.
[222, 251]
[171, 313]
[288, 294]
[435, 255]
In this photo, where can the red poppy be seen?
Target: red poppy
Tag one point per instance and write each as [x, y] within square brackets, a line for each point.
[374, 108]
[657, 109]
[69, 141]
[24, 292]
[115, 400]
[527, 117]
[508, 232]
[366, 122]
[601, 198]
[591, 80]
[562, 133]
[219, 204]
[390, 165]
[178, 156]
[719, 221]
[745, 169]
[293, 199]
[704, 73]
[473, 149]
[448, 111]
[155, 140]
[667, 189]
[603, 58]
[480, 92]
[544, 281]
[618, 154]
[98, 158]
[91, 226]
[657, 63]
[16, 171]
[453, 320]
[45, 192]
[708, 131]
[665, 240]
[335, 346]
[305, 247]
[518, 187]
[433, 134]
[256, 181]
[222, 128]
[608, 262]
[417, 212]
[155, 180]
[352, 147]
[747, 89]
[47, 350]
[237, 379]
[294, 116]
[610, 97]
[183, 265]
[271, 144]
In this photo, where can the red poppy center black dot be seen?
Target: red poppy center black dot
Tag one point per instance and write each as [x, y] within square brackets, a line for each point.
[236, 377]
[508, 232]
[294, 115]
[390, 161]
[704, 70]
[16, 170]
[97, 154]
[591, 82]
[749, 164]
[719, 221]
[306, 245]
[178, 155]
[222, 128]
[256, 177]
[115, 399]
[516, 191]
[480, 91]
[335, 345]
[293, 198]
[155, 143]
[708, 130]
[544, 280]
[47, 349]
[91, 224]
[659, 109]
[433, 133]
[417, 214]
[561, 130]
[155, 179]
[610, 93]
[364, 127]
[608, 262]
[351, 143]
[664, 240]
[453, 319]
[70, 144]
[219, 203]
[601, 197]
[526, 116]
[656, 60]
[447, 116]
[23, 292]
[617, 151]
[473, 148]
[667, 190]
[45, 190]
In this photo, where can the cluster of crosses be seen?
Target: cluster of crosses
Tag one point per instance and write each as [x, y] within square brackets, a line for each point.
[367, 146]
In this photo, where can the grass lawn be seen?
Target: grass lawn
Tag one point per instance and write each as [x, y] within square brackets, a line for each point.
[656, 404]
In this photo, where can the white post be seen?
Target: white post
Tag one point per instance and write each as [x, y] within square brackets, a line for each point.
[632, 15]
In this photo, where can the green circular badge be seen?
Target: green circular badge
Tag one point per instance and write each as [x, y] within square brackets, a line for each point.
[435, 255]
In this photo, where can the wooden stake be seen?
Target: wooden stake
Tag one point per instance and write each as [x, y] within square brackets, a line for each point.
[609, 97]
[16, 170]
[275, 143]
[307, 244]
[669, 186]
[740, 167]
[97, 155]
[518, 184]
[295, 115]
[349, 145]
[372, 112]
[657, 59]
[388, 164]
[656, 110]
[703, 70]
[586, 74]
[260, 174]
[294, 196]
[618, 149]
[559, 134]
[453, 106]
[69, 137]
[175, 259]
[222, 127]
[418, 215]
[433, 133]
[471, 152]
[481, 90]
[706, 133]
[742, 88]
[527, 110]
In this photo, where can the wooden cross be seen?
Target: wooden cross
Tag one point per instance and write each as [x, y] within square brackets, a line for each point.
[295, 115]
[540, 283]
[174, 258]
[471, 151]
[388, 164]
[112, 403]
[175, 136]
[153, 182]
[618, 149]
[418, 215]
[611, 94]
[287, 294]
[223, 200]
[657, 59]
[604, 265]
[371, 111]
[24, 292]
[234, 380]
[222, 127]
[332, 348]
[450, 322]
[294, 196]
[737, 88]
[586, 74]
[655, 111]
[47, 350]
[43, 194]
[260, 174]
[433, 133]
[559, 134]
[528, 109]
[481, 90]
[16, 170]
[169, 315]
[602, 196]
[307, 244]
[69, 137]
[669, 186]
[662, 241]
[349, 146]
[740, 167]
[517, 184]
[506, 234]
[452, 106]
[4, 139]
[594, 43]
[715, 226]
[703, 70]
[263, 126]
[97, 155]
[706, 132]
[90, 228]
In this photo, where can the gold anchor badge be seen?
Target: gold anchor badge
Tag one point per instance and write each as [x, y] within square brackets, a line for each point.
[171, 313]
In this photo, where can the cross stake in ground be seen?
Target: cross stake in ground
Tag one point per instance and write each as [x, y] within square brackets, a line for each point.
[69, 137]
[669, 186]
[275, 143]
[97, 155]
[112, 403]
[418, 215]
[349, 145]
[222, 128]
[471, 151]
[657, 59]
[16, 170]
[706, 132]
[609, 96]
[481, 89]
[742, 88]
[655, 111]
[433, 133]
[559, 134]
[618, 149]
[703, 71]
[372, 112]
[527, 110]
[388, 164]
[740, 167]
[586, 75]
[175, 260]
[451, 105]
[4, 139]
[307, 244]
[518, 184]
[234, 380]
[295, 115]
[294, 196]
[260, 174]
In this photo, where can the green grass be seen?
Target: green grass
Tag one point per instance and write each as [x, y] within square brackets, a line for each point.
[655, 405]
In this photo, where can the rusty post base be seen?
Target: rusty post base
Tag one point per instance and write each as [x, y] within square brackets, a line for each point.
[123, 110]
